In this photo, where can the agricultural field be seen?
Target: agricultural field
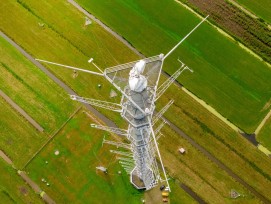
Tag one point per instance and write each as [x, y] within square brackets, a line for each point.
[18, 138]
[265, 134]
[226, 76]
[73, 177]
[13, 189]
[240, 24]
[26, 85]
[260, 8]
[72, 174]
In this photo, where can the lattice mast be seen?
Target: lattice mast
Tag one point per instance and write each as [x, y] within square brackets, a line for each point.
[138, 83]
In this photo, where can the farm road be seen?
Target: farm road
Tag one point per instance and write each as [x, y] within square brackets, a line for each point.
[21, 111]
[112, 124]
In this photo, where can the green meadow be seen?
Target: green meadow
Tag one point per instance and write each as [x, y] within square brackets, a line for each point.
[72, 175]
[46, 102]
[13, 189]
[260, 8]
[19, 140]
[227, 77]
[264, 135]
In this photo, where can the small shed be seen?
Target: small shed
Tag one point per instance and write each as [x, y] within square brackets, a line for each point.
[182, 150]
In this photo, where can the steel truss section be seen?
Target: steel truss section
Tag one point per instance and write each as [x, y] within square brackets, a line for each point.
[102, 104]
[117, 144]
[117, 131]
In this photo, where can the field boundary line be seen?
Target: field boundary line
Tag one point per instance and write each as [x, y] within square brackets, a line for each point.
[52, 137]
[224, 33]
[21, 111]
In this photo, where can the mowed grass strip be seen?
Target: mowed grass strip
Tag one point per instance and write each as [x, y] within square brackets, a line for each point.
[13, 189]
[32, 90]
[72, 174]
[228, 78]
[19, 140]
[264, 135]
[260, 8]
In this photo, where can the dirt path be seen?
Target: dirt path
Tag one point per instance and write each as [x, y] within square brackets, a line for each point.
[192, 193]
[263, 122]
[36, 188]
[21, 111]
[6, 158]
[29, 181]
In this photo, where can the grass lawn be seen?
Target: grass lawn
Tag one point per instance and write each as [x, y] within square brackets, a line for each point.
[46, 102]
[234, 82]
[72, 174]
[19, 140]
[260, 8]
[13, 189]
[264, 136]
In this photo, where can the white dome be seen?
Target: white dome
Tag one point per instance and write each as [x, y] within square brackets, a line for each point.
[138, 84]
[140, 66]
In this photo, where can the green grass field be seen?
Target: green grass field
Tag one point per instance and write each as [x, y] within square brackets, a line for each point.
[73, 178]
[19, 140]
[35, 93]
[72, 174]
[199, 173]
[234, 82]
[73, 47]
[264, 135]
[260, 8]
[220, 140]
[13, 189]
